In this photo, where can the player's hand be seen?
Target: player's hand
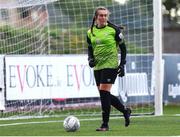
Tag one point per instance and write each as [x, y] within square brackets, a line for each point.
[91, 62]
[120, 71]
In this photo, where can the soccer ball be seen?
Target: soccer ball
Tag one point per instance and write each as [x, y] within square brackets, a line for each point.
[71, 124]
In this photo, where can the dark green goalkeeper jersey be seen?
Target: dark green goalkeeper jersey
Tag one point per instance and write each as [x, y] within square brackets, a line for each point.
[104, 44]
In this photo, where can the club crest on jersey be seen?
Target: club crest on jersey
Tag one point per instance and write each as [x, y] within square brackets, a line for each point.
[98, 41]
[106, 34]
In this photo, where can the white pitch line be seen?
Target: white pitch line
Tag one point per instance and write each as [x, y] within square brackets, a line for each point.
[55, 121]
[44, 122]
[26, 123]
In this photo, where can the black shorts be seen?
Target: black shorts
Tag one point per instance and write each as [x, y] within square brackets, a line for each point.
[105, 76]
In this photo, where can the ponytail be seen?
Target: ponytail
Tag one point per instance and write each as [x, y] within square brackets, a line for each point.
[92, 25]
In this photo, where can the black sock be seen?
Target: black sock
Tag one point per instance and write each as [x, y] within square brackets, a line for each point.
[115, 102]
[105, 106]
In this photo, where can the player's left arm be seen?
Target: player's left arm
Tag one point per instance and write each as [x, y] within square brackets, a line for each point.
[123, 51]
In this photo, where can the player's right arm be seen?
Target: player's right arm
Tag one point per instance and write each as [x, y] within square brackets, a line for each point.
[90, 53]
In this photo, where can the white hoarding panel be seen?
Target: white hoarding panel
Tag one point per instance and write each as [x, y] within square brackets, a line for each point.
[45, 77]
[2, 99]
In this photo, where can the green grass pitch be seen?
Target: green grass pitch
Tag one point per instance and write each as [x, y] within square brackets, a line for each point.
[166, 125]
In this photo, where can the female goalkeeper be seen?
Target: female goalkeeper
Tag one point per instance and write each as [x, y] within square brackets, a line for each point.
[103, 38]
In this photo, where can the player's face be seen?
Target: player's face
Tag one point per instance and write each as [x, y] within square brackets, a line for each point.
[102, 18]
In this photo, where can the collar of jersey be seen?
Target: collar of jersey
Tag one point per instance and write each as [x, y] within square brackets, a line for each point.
[101, 27]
